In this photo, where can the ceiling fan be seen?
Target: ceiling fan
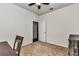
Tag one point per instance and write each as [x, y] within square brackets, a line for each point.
[39, 5]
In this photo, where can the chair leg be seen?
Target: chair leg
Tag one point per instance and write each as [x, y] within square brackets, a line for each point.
[69, 47]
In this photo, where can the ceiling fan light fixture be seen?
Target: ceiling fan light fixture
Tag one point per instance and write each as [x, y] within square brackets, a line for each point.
[51, 8]
[38, 4]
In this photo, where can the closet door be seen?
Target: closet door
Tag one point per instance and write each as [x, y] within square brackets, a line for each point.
[42, 30]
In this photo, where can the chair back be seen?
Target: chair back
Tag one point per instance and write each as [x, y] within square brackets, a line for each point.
[18, 44]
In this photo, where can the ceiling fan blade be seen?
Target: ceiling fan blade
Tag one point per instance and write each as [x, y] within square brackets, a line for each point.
[39, 7]
[31, 4]
[45, 3]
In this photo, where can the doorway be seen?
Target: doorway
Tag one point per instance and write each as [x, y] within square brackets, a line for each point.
[35, 31]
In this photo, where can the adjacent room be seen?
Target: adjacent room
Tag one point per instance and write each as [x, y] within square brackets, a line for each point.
[39, 29]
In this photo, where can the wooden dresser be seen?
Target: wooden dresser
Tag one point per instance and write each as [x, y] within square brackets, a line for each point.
[73, 48]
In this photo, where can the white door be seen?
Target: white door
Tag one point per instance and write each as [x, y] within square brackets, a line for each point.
[42, 30]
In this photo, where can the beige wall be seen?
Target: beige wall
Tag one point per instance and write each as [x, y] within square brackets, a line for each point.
[61, 23]
[14, 21]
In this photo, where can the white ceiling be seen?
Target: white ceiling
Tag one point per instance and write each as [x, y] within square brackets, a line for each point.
[44, 8]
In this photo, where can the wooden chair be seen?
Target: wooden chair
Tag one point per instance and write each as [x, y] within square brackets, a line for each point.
[18, 44]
